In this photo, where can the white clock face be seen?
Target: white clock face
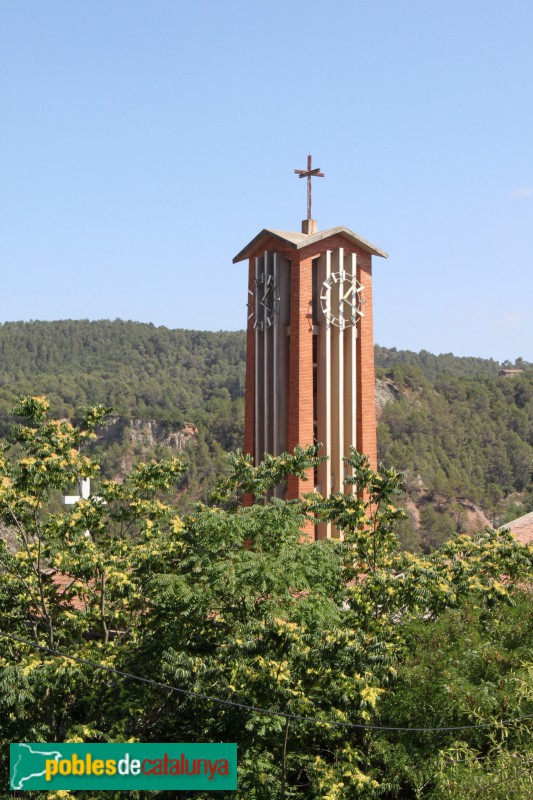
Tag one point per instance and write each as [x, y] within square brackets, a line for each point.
[341, 299]
[263, 301]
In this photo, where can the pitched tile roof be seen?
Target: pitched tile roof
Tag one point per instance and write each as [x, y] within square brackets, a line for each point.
[63, 584]
[521, 528]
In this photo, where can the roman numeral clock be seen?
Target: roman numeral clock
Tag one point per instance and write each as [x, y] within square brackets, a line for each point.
[310, 348]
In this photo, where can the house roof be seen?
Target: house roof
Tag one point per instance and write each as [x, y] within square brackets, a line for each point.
[521, 528]
[300, 240]
[64, 583]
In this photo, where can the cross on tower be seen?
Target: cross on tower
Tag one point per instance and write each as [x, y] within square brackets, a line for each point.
[309, 173]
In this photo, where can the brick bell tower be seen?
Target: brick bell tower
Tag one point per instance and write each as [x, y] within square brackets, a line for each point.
[310, 348]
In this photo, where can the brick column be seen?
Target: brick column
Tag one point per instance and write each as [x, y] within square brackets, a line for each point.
[249, 401]
[300, 428]
[366, 399]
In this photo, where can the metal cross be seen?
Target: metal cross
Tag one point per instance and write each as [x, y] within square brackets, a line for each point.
[309, 173]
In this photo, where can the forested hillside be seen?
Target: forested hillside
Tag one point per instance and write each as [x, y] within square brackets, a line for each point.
[465, 445]
[433, 367]
[140, 371]
[463, 435]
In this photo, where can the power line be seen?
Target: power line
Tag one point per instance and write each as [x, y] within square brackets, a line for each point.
[255, 709]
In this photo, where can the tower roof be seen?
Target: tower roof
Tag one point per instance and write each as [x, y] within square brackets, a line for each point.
[300, 240]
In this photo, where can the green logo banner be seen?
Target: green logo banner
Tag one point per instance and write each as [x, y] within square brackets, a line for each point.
[123, 766]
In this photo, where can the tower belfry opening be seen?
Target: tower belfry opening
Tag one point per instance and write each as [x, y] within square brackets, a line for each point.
[310, 349]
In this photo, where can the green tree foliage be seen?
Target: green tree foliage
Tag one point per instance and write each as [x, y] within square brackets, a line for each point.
[436, 528]
[433, 367]
[467, 664]
[137, 369]
[226, 603]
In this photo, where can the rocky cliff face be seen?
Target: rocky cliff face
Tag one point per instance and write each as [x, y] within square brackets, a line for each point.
[141, 437]
[147, 433]
[386, 392]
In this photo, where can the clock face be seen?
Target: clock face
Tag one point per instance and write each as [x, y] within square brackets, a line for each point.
[263, 301]
[341, 299]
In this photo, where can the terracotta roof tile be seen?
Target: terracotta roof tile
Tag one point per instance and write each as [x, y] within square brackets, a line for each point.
[521, 528]
[63, 584]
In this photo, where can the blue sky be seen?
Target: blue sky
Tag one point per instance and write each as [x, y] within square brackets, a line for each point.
[143, 144]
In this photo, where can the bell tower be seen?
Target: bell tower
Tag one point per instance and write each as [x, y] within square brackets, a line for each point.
[310, 348]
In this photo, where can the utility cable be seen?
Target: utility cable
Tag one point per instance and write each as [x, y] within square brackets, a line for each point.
[255, 709]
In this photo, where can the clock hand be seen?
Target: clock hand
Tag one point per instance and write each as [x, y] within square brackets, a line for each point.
[354, 290]
[351, 289]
